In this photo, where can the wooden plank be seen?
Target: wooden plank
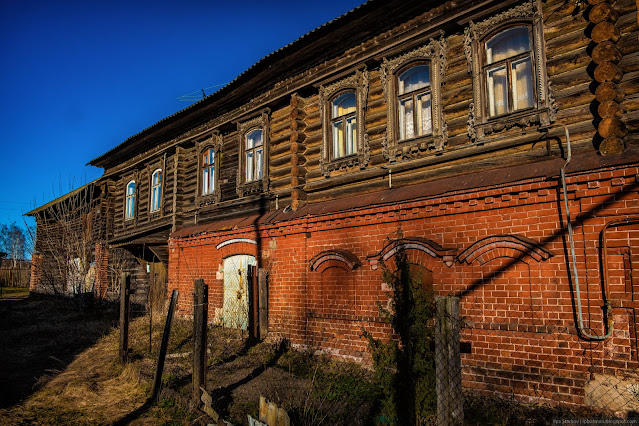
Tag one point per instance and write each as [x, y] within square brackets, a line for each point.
[125, 291]
[200, 319]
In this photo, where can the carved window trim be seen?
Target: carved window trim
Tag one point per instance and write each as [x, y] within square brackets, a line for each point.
[244, 188]
[357, 83]
[480, 125]
[215, 142]
[433, 54]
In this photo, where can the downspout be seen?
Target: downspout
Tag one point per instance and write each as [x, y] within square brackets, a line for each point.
[607, 306]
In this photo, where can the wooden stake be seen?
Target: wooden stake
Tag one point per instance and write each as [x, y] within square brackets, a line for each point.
[157, 382]
[200, 317]
[125, 290]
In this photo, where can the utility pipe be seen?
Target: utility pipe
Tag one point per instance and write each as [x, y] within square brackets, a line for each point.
[607, 306]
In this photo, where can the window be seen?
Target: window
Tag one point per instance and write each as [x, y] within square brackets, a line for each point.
[156, 190]
[209, 150]
[342, 105]
[344, 125]
[412, 88]
[505, 55]
[208, 172]
[130, 200]
[253, 152]
[508, 71]
[414, 102]
[252, 173]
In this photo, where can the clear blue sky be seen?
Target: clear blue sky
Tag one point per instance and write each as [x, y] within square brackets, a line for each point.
[79, 77]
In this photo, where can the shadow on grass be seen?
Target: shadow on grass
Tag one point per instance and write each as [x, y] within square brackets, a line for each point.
[40, 336]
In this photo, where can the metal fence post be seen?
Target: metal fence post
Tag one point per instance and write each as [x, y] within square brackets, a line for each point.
[450, 409]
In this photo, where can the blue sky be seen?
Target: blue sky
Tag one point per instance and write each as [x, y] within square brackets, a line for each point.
[79, 77]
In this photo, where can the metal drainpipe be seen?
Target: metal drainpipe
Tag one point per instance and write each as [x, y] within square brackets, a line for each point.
[607, 305]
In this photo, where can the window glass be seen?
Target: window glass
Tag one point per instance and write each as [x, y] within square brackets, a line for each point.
[414, 79]
[156, 190]
[254, 139]
[208, 172]
[509, 71]
[130, 200]
[344, 104]
[522, 84]
[497, 91]
[507, 44]
[414, 103]
[344, 124]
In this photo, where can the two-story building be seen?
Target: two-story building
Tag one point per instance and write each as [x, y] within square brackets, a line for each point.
[466, 133]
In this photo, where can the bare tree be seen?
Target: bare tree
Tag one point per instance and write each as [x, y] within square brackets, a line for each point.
[67, 232]
[14, 242]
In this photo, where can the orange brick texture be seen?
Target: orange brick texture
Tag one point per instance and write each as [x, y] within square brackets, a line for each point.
[510, 268]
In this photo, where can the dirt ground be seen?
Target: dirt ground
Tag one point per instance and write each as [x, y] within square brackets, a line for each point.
[59, 365]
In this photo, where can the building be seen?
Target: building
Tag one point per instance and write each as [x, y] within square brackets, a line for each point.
[461, 132]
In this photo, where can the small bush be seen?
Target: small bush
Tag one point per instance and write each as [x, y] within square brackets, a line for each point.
[405, 366]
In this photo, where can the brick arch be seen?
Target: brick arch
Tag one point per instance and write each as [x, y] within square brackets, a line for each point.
[420, 251]
[503, 245]
[334, 258]
[234, 246]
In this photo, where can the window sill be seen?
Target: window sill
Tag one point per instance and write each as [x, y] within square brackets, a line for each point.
[412, 148]
[250, 188]
[529, 118]
[346, 162]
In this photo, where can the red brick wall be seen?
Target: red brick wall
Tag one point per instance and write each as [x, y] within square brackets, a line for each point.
[516, 292]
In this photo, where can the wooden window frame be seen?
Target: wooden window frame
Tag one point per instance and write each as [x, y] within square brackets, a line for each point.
[507, 63]
[357, 84]
[434, 54]
[215, 142]
[482, 126]
[133, 214]
[257, 186]
[152, 186]
[412, 95]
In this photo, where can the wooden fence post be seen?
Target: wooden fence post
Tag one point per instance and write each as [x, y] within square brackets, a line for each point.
[263, 302]
[200, 319]
[125, 294]
[450, 409]
[165, 343]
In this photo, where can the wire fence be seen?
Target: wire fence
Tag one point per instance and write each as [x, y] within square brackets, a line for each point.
[533, 362]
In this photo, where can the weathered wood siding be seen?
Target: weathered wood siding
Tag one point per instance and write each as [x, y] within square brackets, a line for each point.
[296, 128]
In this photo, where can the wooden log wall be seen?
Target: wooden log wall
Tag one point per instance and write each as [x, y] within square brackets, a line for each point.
[592, 63]
[607, 54]
[567, 65]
